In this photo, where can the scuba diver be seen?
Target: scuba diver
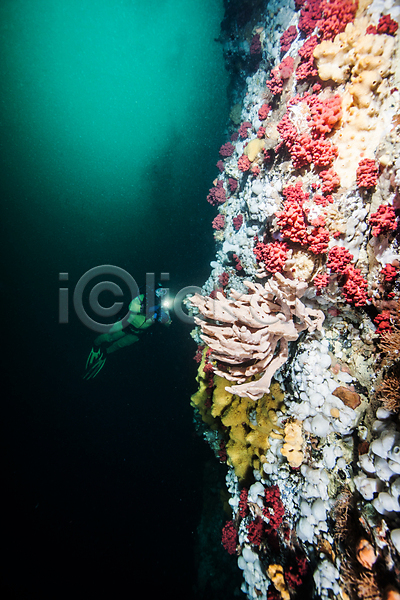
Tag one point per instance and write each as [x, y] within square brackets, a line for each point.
[120, 336]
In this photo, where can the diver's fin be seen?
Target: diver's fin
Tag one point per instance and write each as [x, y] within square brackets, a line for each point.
[94, 363]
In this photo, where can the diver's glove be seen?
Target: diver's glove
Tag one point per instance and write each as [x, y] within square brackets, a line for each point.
[94, 363]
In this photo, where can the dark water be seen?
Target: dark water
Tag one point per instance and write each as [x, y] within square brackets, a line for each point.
[112, 113]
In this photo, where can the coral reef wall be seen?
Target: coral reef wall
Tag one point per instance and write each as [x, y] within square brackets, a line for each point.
[298, 325]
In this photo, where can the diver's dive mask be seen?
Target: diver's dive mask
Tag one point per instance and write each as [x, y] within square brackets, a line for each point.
[164, 305]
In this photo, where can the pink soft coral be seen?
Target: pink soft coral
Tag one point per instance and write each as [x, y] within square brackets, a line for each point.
[387, 25]
[275, 509]
[318, 240]
[383, 220]
[325, 114]
[338, 259]
[264, 111]
[227, 149]
[244, 163]
[336, 15]
[355, 287]
[273, 255]
[217, 194]
[279, 75]
[229, 537]
[323, 153]
[331, 180]
[218, 222]
[321, 280]
[367, 173]
[242, 131]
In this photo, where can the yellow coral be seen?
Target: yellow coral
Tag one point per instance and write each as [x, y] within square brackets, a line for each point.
[293, 443]
[199, 399]
[250, 424]
[247, 423]
[221, 397]
[253, 148]
[364, 64]
[275, 573]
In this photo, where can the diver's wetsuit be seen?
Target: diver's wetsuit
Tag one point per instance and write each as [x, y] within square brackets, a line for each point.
[119, 336]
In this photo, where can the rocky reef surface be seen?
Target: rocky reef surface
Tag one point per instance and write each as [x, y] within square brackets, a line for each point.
[298, 324]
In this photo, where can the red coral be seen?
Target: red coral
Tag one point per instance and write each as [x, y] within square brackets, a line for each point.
[222, 455]
[238, 264]
[338, 259]
[279, 75]
[219, 222]
[295, 193]
[389, 273]
[325, 114]
[309, 15]
[255, 531]
[318, 221]
[267, 155]
[220, 166]
[322, 200]
[383, 221]
[273, 255]
[199, 354]
[243, 508]
[323, 153]
[331, 180]
[244, 163]
[233, 183]
[287, 131]
[318, 240]
[229, 537]
[336, 15]
[292, 224]
[255, 46]
[320, 281]
[275, 84]
[286, 67]
[261, 132]
[255, 169]
[242, 131]
[274, 509]
[227, 149]
[237, 222]
[302, 148]
[287, 38]
[382, 322]
[307, 68]
[294, 575]
[264, 111]
[273, 594]
[301, 151]
[367, 173]
[307, 49]
[387, 25]
[209, 372]
[355, 287]
[223, 279]
[217, 194]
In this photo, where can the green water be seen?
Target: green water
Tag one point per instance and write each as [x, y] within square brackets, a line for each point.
[111, 116]
[112, 112]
